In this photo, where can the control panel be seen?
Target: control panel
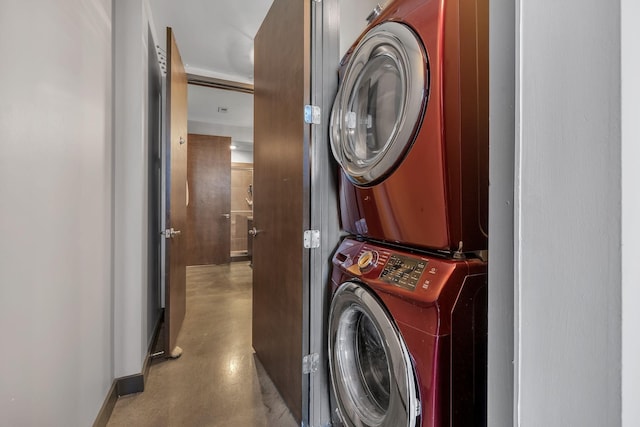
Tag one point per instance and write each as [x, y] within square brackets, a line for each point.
[385, 266]
[412, 276]
[403, 271]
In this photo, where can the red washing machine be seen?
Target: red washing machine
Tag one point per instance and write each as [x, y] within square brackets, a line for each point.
[407, 338]
[409, 127]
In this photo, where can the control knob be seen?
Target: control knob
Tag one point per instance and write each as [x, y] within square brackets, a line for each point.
[367, 261]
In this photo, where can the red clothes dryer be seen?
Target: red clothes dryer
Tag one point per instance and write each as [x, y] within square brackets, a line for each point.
[407, 338]
[409, 127]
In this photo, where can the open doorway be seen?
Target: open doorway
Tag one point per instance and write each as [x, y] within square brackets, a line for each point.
[322, 210]
[241, 207]
[220, 170]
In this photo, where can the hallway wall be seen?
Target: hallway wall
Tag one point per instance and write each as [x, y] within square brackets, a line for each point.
[131, 184]
[55, 211]
[630, 90]
[567, 214]
[502, 77]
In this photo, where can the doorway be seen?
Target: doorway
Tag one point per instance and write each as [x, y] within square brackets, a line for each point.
[317, 174]
[225, 191]
[241, 210]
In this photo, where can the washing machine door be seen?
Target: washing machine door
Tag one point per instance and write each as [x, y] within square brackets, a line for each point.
[371, 372]
[380, 103]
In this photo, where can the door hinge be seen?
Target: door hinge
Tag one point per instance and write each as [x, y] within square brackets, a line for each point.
[312, 114]
[310, 363]
[311, 239]
[170, 233]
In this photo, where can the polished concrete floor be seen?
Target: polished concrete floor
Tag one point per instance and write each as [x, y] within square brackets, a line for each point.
[217, 381]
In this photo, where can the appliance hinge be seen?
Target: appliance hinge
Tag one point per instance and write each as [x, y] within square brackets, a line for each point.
[459, 254]
[375, 13]
[310, 363]
[311, 239]
[312, 114]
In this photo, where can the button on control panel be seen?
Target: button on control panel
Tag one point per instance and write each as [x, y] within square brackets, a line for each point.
[403, 271]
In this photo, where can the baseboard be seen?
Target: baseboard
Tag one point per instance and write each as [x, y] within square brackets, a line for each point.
[130, 384]
[135, 383]
[127, 385]
[120, 387]
[107, 407]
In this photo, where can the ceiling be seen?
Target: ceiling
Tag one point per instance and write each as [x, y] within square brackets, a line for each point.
[215, 38]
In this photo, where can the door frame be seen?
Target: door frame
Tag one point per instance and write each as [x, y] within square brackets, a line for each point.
[325, 57]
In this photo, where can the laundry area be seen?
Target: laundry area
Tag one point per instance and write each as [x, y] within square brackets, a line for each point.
[368, 232]
[319, 213]
[409, 128]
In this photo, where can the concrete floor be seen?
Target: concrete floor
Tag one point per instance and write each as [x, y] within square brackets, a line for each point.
[218, 381]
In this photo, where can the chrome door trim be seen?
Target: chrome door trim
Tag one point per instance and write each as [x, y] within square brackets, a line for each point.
[395, 43]
[351, 304]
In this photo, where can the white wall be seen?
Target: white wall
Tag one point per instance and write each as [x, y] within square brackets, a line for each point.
[242, 134]
[131, 187]
[55, 211]
[501, 157]
[568, 214]
[630, 213]
[353, 20]
[241, 156]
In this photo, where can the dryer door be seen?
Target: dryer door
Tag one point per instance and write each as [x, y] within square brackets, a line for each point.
[371, 373]
[380, 102]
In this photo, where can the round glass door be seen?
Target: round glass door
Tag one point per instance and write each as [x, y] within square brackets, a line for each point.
[380, 102]
[371, 371]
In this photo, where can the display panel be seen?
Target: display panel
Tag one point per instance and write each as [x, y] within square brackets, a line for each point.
[403, 271]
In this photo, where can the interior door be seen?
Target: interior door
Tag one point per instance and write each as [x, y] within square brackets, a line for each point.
[209, 205]
[176, 206]
[281, 196]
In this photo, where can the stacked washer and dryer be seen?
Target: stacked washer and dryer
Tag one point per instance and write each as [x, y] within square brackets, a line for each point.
[409, 128]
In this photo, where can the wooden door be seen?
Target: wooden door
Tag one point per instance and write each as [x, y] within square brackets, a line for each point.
[176, 206]
[209, 205]
[281, 196]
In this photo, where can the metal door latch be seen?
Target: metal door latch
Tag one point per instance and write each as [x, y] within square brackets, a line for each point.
[310, 363]
[170, 233]
[311, 239]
